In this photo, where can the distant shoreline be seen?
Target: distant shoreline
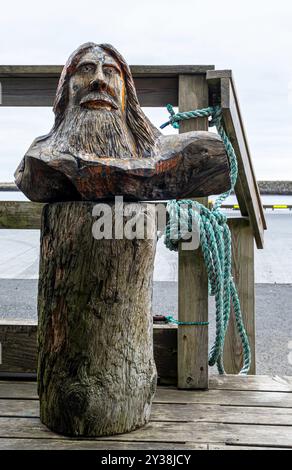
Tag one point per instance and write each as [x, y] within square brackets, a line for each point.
[265, 186]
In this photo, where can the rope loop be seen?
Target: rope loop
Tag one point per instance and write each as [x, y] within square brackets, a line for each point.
[215, 240]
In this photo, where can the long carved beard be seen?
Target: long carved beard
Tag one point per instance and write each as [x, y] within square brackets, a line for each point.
[89, 133]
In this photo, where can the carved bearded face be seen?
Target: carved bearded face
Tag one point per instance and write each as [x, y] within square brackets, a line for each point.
[95, 124]
[97, 83]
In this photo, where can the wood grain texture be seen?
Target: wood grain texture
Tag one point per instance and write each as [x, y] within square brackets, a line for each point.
[102, 144]
[36, 85]
[221, 414]
[200, 433]
[19, 350]
[225, 397]
[137, 70]
[243, 274]
[11, 389]
[192, 276]
[40, 91]
[264, 383]
[18, 344]
[195, 163]
[231, 415]
[74, 444]
[165, 353]
[20, 215]
[223, 92]
[96, 373]
[178, 413]
[21, 408]
[233, 383]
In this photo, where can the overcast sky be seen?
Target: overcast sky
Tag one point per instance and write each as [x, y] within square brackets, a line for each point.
[251, 37]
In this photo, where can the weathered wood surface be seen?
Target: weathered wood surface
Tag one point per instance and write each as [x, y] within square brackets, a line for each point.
[20, 215]
[192, 341]
[177, 413]
[74, 444]
[96, 373]
[230, 416]
[233, 383]
[264, 383]
[200, 433]
[191, 164]
[137, 70]
[10, 389]
[102, 144]
[26, 85]
[265, 187]
[243, 274]
[18, 348]
[223, 92]
[225, 397]
[165, 353]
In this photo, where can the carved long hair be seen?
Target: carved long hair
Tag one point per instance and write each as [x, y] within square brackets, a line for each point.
[144, 133]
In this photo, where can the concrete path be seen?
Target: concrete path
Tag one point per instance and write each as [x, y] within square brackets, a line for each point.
[273, 318]
[19, 254]
[19, 271]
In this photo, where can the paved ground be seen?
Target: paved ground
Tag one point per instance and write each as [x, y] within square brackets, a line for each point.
[273, 322]
[20, 248]
[273, 264]
[273, 307]
[19, 271]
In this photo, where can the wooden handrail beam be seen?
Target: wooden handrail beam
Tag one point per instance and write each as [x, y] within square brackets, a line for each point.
[35, 85]
[222, 91]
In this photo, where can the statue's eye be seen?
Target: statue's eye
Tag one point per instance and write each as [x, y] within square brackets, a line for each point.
[109, 70]
[86, 68]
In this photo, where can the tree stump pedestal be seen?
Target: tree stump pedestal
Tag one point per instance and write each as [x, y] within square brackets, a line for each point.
[96, 372]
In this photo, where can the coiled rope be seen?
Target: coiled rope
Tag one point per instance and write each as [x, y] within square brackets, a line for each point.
[215, 240]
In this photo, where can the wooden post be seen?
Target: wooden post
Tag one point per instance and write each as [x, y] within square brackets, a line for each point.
[192, 276]
[243, 273]
[96, 372]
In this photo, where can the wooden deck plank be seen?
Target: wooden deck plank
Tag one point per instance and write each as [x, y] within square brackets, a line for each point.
[74, 444]
[166, 432]
[221, 392]
[221, 414]
[15, 407]
[232, 447]
[263, 383]
[177, 413]
[225, 397]
[228, 416]
[22, 390]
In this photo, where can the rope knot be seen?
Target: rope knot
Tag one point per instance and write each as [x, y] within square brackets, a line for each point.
[215, 240]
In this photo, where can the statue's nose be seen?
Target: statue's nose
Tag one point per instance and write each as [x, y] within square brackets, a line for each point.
[98, 82]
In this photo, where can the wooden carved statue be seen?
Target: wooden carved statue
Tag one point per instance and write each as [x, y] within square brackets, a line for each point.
[96, 372]
[103, 145]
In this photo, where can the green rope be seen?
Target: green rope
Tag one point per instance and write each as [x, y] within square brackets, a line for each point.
[215, 241]
[170, 319]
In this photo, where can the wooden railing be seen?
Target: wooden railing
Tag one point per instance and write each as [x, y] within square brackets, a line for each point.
[181, 86]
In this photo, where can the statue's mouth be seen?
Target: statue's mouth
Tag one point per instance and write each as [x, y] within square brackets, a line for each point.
[98, 100]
